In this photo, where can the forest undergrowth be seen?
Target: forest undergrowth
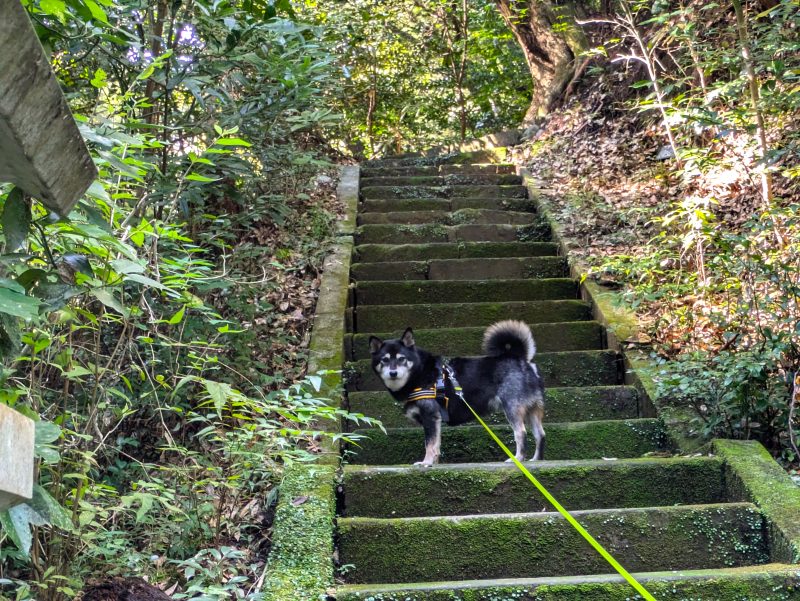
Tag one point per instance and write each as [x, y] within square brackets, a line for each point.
[684, 230]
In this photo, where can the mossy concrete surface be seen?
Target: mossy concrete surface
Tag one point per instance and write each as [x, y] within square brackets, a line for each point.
[347, 193]
[464, 291]
[386, 492]
[754, 475]
[569, 404]
[375, 318]
[469, 444]
[300, 563]
[443, 169]
[483, 179]
[504, 268]
[769, 582]
[543, 544]
[481, 216]
[588, 368]
[435, 232]
[446, 191]
[524, 205]
[453, 342]
[377, 253]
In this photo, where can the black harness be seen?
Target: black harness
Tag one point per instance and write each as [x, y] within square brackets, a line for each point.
[445, 379]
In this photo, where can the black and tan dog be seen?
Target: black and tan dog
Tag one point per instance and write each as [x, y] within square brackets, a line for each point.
[505, 378]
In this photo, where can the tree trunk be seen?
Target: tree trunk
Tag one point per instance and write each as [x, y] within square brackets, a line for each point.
[549, 53]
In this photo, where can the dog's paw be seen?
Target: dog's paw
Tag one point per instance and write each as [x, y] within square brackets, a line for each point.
[509, 460]
[423, 463]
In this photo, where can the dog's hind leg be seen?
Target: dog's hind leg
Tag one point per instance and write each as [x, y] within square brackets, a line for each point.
[535, 416]
[516, 418]
[432, 425]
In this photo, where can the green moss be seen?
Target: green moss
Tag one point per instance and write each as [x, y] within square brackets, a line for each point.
[437, 180]
[474, 489]
[755, 476]
[388, 234]
[300, 563]
[375, 318]
[550, 337]
[537, 545]
[523, 205]
[374, 253]
[468, 444]
[759, 583]
[427, 292]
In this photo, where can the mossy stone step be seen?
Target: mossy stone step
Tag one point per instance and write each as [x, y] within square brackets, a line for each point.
[471, 444]
[421, 170]
[381, 253]
[453, 342]
[524, 205]
[767, 582]
[544, 544]
[466, 191]
[462, 216]
[480, 488]
[562, 404]
[488, 156]
[467, 291]
[573, 368]
[449, 179]
[374, 318]
[537, 231]
[503, 268]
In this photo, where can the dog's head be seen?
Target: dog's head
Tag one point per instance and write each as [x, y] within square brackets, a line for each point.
[394, 360]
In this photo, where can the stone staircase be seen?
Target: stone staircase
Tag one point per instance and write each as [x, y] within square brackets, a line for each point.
[449, 249]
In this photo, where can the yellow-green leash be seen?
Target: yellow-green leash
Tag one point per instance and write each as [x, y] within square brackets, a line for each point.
[581, 530]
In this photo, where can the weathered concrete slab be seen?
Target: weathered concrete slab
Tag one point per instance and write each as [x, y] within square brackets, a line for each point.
[376, 253]
[347, 192]
[373, 318]
[430, 291]
[460, 341]
[443, 180]
[504, 268]
[41, 149]
[475, 191]
[478, 216]
[16, 457]
[769, 582]
[543, 544]
[427, 233]
[472, 488]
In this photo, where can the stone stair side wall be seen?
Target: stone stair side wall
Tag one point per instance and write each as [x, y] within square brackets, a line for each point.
[301, 560]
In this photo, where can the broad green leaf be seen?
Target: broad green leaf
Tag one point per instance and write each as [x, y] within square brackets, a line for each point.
[219, 393]
[126, 267]
[233, 142]
[16, 220]
[109, 300]
[200, 178]
[45, 433]
[57, 8]
[50, 509]
[97, 12]
[18, 304]
[178, 317]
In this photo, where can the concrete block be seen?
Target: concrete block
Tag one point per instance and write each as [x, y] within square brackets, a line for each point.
[16, 457]
[41, 149]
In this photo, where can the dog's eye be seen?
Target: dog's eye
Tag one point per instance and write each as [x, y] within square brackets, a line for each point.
[385, 361]
[401, 359]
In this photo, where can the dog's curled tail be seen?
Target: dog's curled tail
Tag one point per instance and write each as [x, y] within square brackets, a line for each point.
[510, 337]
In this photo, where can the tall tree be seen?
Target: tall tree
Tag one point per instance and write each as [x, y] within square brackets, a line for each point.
[549, 42]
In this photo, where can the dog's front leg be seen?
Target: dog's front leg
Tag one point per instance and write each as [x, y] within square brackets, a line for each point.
[432, 425]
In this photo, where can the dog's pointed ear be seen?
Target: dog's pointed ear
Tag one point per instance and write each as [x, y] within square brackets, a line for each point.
[408, 337]
[374, 344]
